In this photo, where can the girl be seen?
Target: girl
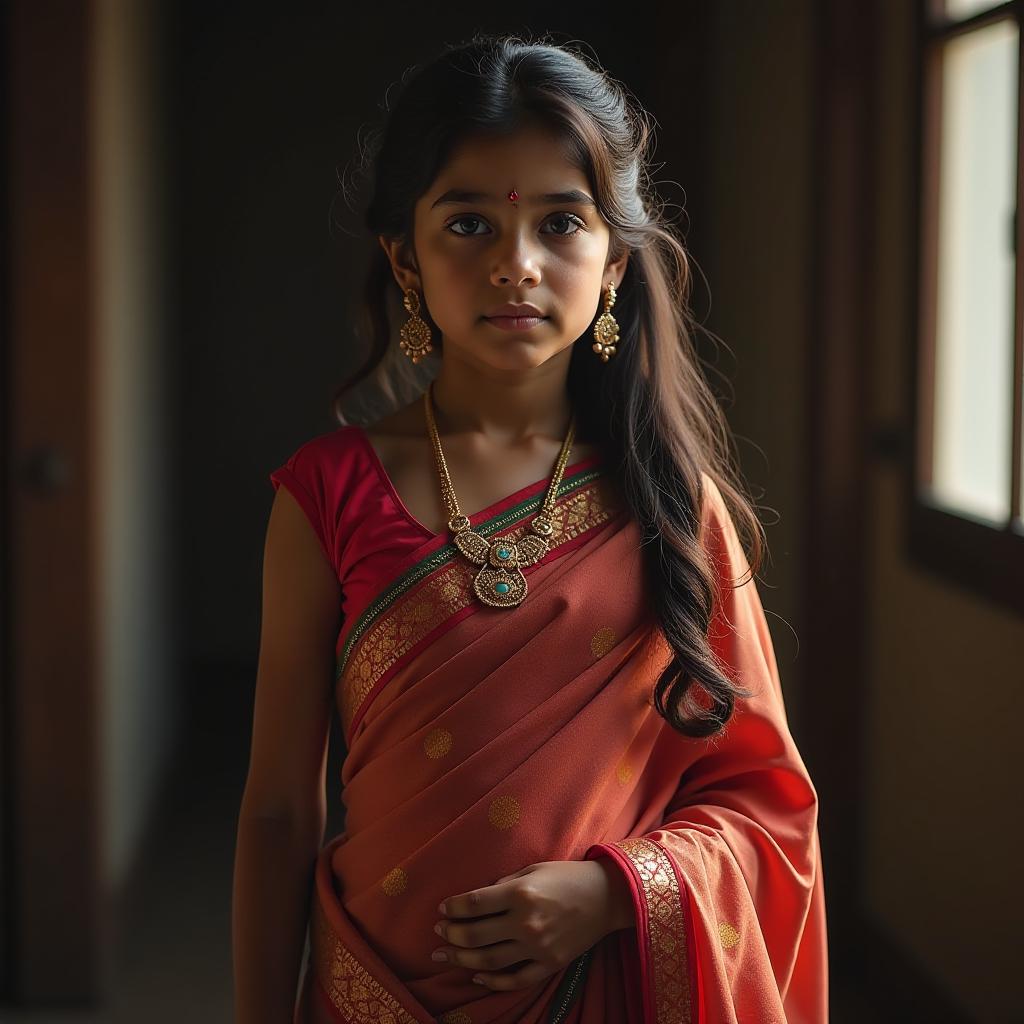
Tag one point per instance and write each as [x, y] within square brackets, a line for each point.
[571, 792]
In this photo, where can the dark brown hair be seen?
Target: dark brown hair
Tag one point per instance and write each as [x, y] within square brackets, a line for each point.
[650, 408]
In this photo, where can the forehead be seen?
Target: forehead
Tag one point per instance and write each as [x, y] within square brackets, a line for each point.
[532, 159]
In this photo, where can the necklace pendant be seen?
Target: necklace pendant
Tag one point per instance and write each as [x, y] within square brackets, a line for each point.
[500, 588]
[500, 583]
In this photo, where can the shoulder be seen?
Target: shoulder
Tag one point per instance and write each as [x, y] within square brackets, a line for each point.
[718, 533]
[713, 507]
[324, 474]
[327, 462]
[329, 448]
[327, 466]
[719, 536]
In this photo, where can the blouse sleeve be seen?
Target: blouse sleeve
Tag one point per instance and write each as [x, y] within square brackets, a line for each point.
[728, 891]
[303, 476]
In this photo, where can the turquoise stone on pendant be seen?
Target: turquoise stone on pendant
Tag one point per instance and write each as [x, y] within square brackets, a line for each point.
[504, 552]
[501, 588]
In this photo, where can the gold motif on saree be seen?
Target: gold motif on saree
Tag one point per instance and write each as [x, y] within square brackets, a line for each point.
[394, 883]
[352, 990]
[728, 935]
[455, 1017]
[602, 641]
[666, 926]
[624, 772]
[437, 743]
[503, 812]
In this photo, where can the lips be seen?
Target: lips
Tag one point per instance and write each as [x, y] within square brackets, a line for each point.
[515, 309]
[515, 323]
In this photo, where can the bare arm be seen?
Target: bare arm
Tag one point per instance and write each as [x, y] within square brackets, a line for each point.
[283, 811]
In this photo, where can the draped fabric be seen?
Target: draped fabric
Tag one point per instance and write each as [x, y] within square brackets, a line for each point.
[481, 740]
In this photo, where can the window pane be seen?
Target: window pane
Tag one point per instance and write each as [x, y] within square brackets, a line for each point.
[974, 314]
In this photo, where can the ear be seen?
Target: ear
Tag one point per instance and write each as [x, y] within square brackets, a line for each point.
[615, 270]
[403, 262]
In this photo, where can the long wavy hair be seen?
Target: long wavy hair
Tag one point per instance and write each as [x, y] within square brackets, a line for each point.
[650, 408]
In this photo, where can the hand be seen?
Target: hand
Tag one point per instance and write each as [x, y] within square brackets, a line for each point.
[547, 914]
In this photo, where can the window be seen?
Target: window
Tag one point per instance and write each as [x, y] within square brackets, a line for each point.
[966, 513]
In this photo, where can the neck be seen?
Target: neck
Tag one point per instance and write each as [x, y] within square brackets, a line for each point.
[503, 407]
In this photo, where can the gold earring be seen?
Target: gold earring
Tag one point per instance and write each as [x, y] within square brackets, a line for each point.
[415, 333]
[606, 329]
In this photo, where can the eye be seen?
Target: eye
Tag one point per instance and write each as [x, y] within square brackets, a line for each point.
[570, 218]
[462, 220]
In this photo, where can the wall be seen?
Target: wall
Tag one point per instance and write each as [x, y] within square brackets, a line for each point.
[760, 87]
[944, 687]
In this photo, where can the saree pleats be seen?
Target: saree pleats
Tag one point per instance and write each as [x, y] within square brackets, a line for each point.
[482, 740]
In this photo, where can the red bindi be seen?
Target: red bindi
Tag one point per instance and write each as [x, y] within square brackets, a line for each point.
[513, 196]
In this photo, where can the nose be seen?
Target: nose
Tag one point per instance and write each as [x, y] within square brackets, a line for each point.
[514, 263]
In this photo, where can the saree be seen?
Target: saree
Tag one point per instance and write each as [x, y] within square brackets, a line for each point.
[480, 740]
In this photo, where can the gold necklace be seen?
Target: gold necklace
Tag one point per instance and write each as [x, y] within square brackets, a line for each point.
[500, 583]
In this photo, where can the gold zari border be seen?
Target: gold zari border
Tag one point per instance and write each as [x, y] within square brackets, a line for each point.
[666, 927]
[353, 992]
[446, 591]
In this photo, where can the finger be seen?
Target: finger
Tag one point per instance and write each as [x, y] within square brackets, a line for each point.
[489, 900]
[489, 958]
[531, 974]
[515, 874]
[463, 905]
[481, 931]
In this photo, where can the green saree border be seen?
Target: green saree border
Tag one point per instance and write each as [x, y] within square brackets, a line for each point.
[445, 553]
[570, 988]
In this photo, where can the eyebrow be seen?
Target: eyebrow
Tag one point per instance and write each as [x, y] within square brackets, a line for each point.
[461, 195]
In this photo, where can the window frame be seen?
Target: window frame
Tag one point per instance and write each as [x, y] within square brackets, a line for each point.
[984, 559]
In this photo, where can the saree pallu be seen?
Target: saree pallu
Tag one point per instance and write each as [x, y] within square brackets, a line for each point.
[481, 740]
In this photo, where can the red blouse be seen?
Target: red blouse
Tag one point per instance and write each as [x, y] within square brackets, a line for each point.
[363, 526]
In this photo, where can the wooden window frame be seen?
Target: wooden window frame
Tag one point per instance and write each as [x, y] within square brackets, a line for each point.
[985, 559]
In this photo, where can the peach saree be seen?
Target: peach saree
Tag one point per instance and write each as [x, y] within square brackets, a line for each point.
[481, 740]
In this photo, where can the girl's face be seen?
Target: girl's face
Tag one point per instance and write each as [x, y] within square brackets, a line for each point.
[475, 250]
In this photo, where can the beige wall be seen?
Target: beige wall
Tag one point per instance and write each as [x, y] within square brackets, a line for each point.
[945, 680]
